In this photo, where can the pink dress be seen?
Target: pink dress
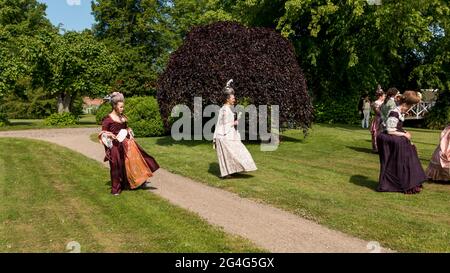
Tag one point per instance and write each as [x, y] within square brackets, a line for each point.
[439, 167]
[375, 126]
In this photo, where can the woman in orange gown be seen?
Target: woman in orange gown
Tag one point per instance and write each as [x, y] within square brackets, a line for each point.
[114, 127]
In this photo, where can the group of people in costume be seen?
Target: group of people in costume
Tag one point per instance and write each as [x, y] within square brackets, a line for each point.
[400, 168]
[131, 167]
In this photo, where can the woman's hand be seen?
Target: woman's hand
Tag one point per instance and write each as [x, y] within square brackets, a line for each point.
[110, 135]
[130, 133]
[408, 135]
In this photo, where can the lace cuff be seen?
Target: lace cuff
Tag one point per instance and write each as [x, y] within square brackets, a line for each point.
[391, 124]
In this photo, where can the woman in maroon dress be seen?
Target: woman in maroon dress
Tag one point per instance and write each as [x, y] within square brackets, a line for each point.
[400, 170]
[115, 148]
[375, 127]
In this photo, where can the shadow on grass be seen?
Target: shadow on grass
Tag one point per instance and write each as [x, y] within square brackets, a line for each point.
[25, 123]
[214, 169]
[284, 138]
[439, 182]
[242, 175]
[364, 181]
[108, 183]
[362, 150]
[345, 127]
[426, 143]
[425, 160]
[81, 122]
[169, 141]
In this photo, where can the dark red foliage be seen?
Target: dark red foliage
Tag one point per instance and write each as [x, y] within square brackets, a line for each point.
[261, 62]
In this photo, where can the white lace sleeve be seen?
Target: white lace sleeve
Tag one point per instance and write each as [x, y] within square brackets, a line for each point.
[391, 124]
[228, 122]
[106, 140]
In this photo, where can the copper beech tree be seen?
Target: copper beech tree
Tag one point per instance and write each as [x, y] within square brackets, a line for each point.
[261, 62]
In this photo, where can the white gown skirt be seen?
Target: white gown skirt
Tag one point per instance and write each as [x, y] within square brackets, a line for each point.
[233, 157]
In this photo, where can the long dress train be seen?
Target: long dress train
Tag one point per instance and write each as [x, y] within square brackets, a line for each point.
[233, 156]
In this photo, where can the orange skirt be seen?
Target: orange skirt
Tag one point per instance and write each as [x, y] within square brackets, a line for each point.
[136, 168]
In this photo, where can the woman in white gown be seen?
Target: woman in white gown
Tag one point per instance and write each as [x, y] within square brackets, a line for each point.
[231, 152]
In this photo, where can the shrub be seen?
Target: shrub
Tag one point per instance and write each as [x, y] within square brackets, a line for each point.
[63, 119]
[3, 118]
[331, 112]
[34, 104]
[439, 116]
[77, 107]
[144, 116]
[102, 112]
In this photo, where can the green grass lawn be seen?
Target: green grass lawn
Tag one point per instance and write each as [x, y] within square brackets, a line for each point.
[50, 196]
[329, 177]
[25, 124]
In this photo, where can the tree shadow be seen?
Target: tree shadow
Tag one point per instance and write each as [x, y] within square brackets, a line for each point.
[362, 150]
[346, 127]
[284, 138]
[86, 122]
[169, 141]
[364, 181]
[22, 123]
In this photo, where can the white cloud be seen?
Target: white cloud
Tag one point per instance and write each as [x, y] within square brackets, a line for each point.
[73, 2]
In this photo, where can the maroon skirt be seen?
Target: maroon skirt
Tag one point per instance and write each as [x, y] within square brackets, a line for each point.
[116, 158]
[400, 168]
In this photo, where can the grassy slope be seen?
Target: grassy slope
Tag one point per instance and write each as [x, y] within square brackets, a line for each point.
[329, 177]
[50, 196]
[26, 124]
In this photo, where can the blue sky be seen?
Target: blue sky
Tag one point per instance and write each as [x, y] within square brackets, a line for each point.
[73, 14]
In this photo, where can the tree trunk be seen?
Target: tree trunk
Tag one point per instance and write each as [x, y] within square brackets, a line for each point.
[64, 101]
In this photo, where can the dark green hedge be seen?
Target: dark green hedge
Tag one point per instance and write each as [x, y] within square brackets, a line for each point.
[63, 119]
[332, 111]
[439, 116]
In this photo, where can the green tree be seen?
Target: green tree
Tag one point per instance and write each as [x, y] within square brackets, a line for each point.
[346, 47]
[71, 65]
[20, 20]
[140, 34]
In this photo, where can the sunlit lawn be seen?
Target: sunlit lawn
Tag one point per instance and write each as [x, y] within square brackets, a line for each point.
[329, 177]
[24, 124]
[50, 196]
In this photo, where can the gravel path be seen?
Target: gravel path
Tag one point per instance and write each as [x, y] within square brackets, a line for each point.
[268, 227]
